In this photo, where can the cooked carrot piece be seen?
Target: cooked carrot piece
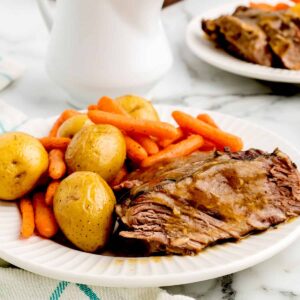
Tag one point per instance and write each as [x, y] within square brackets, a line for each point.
[55, 143]
[92, 107]
[130, 125]
[183, 148]
[134, 150]
[120, 176]
[109, 105]
[215, 135]
[147, 143]
[208, 146]
[51, 189]
[262, 6]
[166, 142]
[44, 217]
[281, 6]
[207, 119]
[63, 117]
[26, 208]
[57, 166]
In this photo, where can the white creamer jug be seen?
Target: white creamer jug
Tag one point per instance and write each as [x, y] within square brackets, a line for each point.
[106, 47]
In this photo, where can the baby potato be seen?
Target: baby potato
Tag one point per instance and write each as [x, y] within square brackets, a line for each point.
[72, 125]
[138, 107]
[23, 160]
[97, 148]
[83, 207]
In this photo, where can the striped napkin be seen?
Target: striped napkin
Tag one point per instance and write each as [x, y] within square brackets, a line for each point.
[19, 284]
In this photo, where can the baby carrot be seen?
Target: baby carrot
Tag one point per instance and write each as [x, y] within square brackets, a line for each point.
[55, 143]
[130, 125]
[182, 148]
[134, 150]
[215, 135]
[27, 227]
[63, 117]
[281, 6]
[208, 146]
[109, 105]
[92, 107]
[51, 189]
[57, 167]
[119, 178]
[262, 6]
[147, 143]
[44, 217]
[207, 119]
[166, 142]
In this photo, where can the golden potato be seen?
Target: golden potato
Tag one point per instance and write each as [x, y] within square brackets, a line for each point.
[97, 148]
[23, 160]
[72, 125]
[83, 207]
[138, 107]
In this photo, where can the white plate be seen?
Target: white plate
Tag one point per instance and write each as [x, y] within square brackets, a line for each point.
[47, 258]
[207, 50]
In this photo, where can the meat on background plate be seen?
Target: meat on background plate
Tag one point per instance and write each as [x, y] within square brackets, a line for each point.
[183, 205]
[257, 36]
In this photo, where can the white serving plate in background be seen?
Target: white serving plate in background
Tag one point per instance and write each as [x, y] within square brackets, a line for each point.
[206, 50]
[48, 258]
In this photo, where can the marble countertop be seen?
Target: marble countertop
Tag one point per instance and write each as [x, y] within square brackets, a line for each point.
[190, 82]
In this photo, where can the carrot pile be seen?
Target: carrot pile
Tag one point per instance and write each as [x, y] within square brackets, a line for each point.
[147, 143]
[36, 209]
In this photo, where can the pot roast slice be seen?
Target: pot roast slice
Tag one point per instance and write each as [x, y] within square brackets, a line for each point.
[240, 37]
[261, 37]
[183, 205]
[282, 29]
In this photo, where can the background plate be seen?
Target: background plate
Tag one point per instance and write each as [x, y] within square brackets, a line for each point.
[48, 258]
[207, 50]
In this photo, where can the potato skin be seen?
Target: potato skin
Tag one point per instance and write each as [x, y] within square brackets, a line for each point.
[97, 148]
[23, 160]
[83, 207]
[72, 125]
[138, 107]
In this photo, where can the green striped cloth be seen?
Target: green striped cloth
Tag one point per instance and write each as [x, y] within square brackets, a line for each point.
[19, 284]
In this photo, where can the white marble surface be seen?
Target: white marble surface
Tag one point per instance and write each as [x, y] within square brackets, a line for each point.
[24, 37]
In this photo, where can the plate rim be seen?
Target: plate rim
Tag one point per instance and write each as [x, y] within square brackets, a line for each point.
[158, 280]
[170, 279]
[220, 59]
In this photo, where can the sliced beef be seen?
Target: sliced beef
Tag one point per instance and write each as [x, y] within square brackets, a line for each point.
[243, 39]
[266, 38]
[182, 206]
[282, 29]
[284, 39]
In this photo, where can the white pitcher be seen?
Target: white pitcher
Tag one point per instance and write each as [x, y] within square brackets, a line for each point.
[106, 47]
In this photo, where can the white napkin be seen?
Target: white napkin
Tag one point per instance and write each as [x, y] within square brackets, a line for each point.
[19, 284]
[9, 71]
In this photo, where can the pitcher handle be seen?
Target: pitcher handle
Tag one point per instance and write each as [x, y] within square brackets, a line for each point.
[47, 12]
